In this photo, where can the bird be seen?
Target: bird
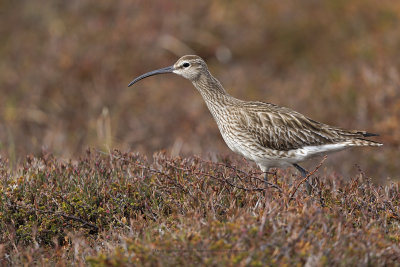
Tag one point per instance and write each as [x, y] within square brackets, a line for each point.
[267, 134]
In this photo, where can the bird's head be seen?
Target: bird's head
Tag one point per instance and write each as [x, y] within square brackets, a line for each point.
[189, 67]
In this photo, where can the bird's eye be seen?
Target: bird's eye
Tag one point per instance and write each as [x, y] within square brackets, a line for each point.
[185, 65]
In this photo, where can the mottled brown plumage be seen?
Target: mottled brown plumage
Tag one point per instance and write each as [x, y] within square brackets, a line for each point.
[283, 129]
[270, 135]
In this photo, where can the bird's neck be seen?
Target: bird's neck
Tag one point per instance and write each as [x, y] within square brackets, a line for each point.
[209, 87]
[214, 95]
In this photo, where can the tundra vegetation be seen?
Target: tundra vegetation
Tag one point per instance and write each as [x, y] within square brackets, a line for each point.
[119, 209]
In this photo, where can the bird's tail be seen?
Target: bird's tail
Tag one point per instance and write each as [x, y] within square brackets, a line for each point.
[363, 142]
[367, 134]
[356, 138]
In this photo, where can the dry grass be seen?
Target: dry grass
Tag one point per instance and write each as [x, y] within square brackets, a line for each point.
[119, 209]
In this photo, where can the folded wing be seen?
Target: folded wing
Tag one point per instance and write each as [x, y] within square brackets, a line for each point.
[283, 129]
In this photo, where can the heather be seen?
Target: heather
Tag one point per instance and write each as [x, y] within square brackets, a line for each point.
[120, 209]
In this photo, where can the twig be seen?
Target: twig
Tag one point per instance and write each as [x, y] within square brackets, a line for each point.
[227, 182]
[305, 178]
[69, 217]
[200, 173]
[234, 185]
[293, 242]
[74, 218]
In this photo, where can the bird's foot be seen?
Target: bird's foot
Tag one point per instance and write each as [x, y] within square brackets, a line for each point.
[270, 184]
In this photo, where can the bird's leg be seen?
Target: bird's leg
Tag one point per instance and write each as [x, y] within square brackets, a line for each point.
[266, 178]
[265, 170]
[304, 173]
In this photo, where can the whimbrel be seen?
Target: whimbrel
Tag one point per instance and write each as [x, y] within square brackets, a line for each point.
[269, 135]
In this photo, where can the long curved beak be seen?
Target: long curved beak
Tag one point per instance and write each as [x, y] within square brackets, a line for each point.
[151, 73]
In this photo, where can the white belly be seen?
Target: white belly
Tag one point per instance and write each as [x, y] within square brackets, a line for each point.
[270, 158]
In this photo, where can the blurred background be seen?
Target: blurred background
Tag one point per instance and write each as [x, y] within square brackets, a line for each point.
[65, 67]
